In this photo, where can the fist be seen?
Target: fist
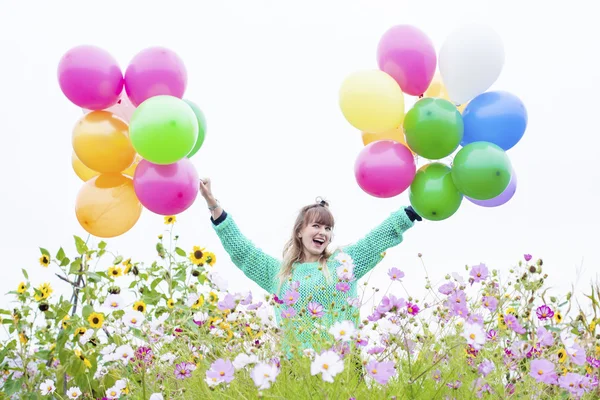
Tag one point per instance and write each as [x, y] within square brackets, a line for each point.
[205, 188]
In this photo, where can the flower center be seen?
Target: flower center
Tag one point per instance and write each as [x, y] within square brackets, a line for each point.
[342, 332]
[267, 375]
[133, 320]
[540, 372]
[114, 304]
[472, 336]
[325, 367]
[95, 320]
[198, 254]
[222, 373]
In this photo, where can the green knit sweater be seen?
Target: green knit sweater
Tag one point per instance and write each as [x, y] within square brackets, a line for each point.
[313, 289]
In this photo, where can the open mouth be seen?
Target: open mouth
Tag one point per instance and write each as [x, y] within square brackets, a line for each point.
[318, 242]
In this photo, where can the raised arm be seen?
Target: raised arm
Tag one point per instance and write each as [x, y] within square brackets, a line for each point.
[254, 263]
[366, 253]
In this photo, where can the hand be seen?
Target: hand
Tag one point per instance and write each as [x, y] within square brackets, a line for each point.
[205, 189]
[412, 214]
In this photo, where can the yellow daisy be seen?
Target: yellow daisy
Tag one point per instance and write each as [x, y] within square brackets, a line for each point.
[45, 290]
[558, 317]
[501, 322]
[139, 306]
[22, 288]
[198, 255]
[213, 297]
[211, 258]
[127, 264]
[23, 338]
[170, 219]
[199, 303]
[562, 355]
[170, 303]
[65, 321]
[96, 320]
[79, 331]
[44, 260]
[115, 271]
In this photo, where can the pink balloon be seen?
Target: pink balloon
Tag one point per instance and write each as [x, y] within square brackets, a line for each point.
[385, 168]
[90, 77]
[407, 55]
[166, 189]
[123, 108]
[155, 71]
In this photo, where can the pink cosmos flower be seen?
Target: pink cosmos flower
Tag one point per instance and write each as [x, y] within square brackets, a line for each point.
[315, 309]
[184, 370]
[512, 322]
[544, 312]
[228, 303]
[291, 297]
[343, 287]
[479, 273]
[288, 313]
[447, 288]
[395, 274]
[489, 302]
[381, 371]
[221, 371]
[412, 309]
[542, 370]
[527, 257]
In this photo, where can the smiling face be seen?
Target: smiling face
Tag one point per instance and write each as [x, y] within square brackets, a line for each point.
[316, 232]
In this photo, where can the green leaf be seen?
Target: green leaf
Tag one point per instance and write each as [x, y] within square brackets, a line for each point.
[75, 266]
[80, 245]
[6, 312]
[93, 277]
[155, 283]
[11, 386]
[25, 273]
[60, 254]
[65, 261]
[45, 252]
[180, 251]
[87, 310]
[118, 260]
[151, 297]
[102, 245]
[132, 284]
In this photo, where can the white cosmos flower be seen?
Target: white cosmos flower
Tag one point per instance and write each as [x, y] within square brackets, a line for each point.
[133, 318]
[264, 375]
[343, 330]
[47, 387]
[113, 302]
[475, 335]
[242, 359]
[328, 364]
[73, 392]
[124, 353]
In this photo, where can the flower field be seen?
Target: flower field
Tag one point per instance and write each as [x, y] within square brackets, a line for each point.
[168, 329]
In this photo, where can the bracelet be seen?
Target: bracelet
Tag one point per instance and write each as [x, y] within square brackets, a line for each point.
[212, 208]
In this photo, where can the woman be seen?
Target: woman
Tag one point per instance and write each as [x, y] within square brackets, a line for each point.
[312, 286]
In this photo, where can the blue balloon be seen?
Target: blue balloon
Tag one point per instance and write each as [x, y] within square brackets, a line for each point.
[498, 117]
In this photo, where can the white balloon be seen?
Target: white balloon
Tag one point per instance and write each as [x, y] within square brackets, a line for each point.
[470, 61]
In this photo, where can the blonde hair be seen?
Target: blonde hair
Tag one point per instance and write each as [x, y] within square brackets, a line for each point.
[293, 252]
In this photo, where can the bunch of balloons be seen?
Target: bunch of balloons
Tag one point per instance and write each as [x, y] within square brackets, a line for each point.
[452, 111]
[132, 146]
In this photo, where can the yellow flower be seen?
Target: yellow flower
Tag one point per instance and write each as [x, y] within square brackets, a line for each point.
[96, 320]
[45, 290]
[115, 271]
[87, 363]
[139, 306]
[213, 297]
[170, 219]
[170, 303]
[211, 258]
[562, 355]
[592, 326]
[53, 346]
[23, 338]
[44, 260]
[198, 256]
[22, 288]
[65, 321]
[511, 311]
[597, 351]
[79, 331]
[501, 322]
[127, 264]
[199, 303]
[558, 317]
[160, 237]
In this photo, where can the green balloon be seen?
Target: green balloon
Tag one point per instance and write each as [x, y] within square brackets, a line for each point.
[201, 127]
[163, 129]
[433, 128]
[433, 194]
[481, 170]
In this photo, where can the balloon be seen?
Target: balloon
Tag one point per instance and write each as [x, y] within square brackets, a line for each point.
[470, 61]
[433, 128]
[497, 117]
[166, 189]
[438, 89]
[201, 127]
[131, 170]
[155, 71]
[122, 108]
[101, 142]
[397, 135]
[481, 170]
[501, 199]
[163, 129]
[106, 205]
[384, 168]
[433, 194]
[372, 101]
[407, 55]
[83, 172]
[90, 77]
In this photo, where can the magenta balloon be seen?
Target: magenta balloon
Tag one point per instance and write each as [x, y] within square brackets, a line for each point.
[166, 189]
[385, 168]
[122, 108]
[90, 77]
[155, 71]
[407, 54]
[502, 198]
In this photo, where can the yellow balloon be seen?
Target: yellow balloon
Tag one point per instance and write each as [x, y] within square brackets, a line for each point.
[107, 206]
[438, 89]
[101, 142]
[396, 135]
[83, 172]
[372, 101]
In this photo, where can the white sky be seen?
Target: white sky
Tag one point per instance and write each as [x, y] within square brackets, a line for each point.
[266, 74]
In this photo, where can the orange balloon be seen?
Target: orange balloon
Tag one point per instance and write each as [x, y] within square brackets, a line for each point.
[131, 170]
[83, 172]
[101, 142]
[107, 205]
[438, 89]
[396, 135]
